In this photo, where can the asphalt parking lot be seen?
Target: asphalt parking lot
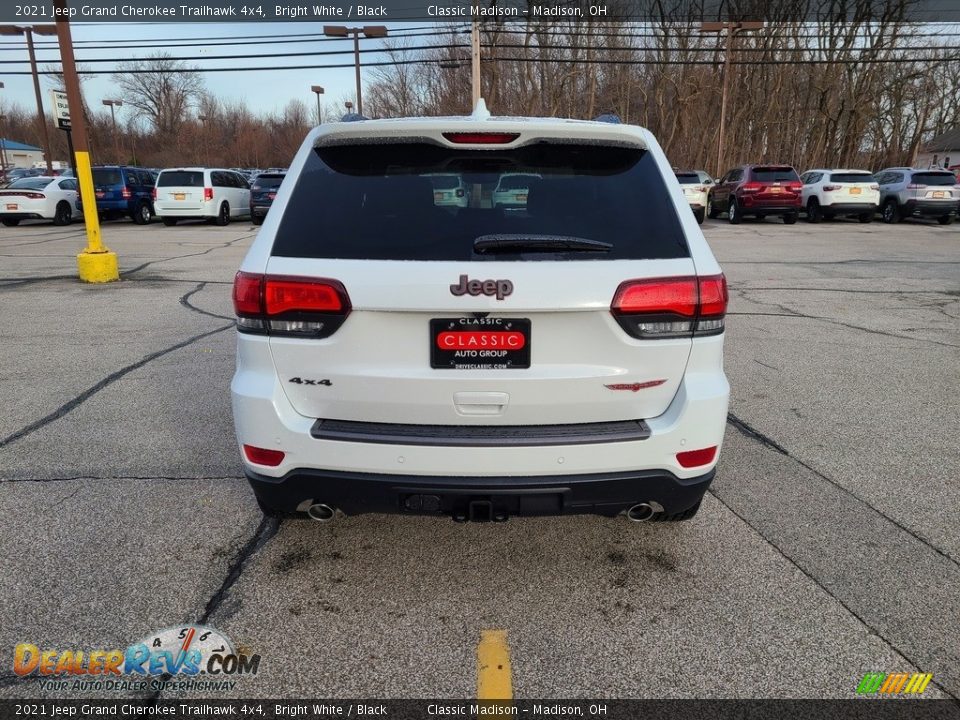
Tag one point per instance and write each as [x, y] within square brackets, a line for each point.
[827, 548]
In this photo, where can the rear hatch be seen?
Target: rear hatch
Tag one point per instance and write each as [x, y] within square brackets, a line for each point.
[934, 186]
[774, 185]
[477, 314]
[180, 190]
[692, 186]
[851, 187]
[264, 188]
[24, 195]
[108, 185]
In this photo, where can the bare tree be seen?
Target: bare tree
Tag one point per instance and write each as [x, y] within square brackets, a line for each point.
[160, 89]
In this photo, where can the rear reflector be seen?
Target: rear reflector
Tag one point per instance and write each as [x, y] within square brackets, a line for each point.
[284, 305]
[671, 307]
[696, 458]
[480, 138]
[262, 456]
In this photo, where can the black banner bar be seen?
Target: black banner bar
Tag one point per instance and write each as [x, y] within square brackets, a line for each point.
[858, 709]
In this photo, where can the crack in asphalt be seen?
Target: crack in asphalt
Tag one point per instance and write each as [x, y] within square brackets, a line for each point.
[185, 301]
[824, 588]
[749, 431]
[105, 382]
[265, 532]
[222, 246]
[831, 321]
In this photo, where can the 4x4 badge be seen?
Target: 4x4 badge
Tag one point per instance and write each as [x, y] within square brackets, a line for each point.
[500, 288]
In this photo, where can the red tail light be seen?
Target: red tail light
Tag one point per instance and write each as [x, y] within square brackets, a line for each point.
[480, 138]
[282, 305]
[271, 196]
[671, 307]
[208, 193]
[915, 186]
[795, 185]
[153, 193]
[263, 456]
[126, 194]
[752, 187]
[696, 458]
[830, 188]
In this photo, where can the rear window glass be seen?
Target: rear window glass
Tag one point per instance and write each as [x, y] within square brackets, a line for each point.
[180, 178]
[516, 182]
[930, 178]
[30, 183]
[852, 177]
[377, 202]
[107, 176]
[688, 178]
[774, 174]
[267, 182]
[445, 182]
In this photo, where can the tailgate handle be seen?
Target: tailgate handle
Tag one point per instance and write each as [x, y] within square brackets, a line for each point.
[480, 403]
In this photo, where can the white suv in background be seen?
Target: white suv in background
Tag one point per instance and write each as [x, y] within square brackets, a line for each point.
[834, 193]
[696, 189]
[397, 354]
[201, 193]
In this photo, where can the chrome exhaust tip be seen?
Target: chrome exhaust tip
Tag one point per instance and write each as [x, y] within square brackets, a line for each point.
[320, 512]
[640, 512]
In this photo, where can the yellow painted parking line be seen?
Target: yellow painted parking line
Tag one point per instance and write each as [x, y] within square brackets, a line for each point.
[494, 677]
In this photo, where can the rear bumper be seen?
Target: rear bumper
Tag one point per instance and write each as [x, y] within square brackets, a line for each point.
[852, 208]
[259, 210]
[495, 497]
[25, 215]
[929, 208]
[116, 206]
[770, 206]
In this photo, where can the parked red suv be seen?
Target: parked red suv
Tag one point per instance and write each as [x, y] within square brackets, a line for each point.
[757, 190]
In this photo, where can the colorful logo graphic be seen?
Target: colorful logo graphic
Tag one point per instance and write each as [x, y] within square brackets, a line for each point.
[894, 683]
[185, 651]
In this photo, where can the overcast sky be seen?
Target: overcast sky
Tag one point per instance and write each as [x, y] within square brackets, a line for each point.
[263, 91]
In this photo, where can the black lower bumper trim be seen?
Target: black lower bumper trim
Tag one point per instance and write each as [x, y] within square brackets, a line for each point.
[498, 497]
[480, 435]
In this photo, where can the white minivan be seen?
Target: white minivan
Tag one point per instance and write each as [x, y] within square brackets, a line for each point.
[201, 193]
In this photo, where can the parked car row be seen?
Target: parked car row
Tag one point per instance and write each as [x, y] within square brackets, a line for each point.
[822, 193]
[141, 194]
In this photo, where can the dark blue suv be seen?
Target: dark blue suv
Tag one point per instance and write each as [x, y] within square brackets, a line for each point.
[122, 190]
[263, 189]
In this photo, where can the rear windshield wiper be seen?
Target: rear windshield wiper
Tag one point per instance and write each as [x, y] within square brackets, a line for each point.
[537, 243]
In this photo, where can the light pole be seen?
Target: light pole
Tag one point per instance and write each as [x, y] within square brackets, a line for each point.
[28, 31]
[732, 28]
[96, 262]
[369, 31]
[318, 91]
[116, 140]
[3, 143]
[206, 149]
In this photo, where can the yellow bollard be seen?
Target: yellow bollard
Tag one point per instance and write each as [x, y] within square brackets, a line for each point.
[96, 263]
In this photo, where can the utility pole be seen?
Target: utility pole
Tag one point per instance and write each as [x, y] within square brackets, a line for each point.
[116, 139]
[732, 29]
[3, 144]
[318, 91]
[475, 63]
[369, 31]
[206, 148]
[28, 31]
[96, 262]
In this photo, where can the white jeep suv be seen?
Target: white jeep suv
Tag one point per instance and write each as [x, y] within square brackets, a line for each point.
[834, 193]
[398, 354]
